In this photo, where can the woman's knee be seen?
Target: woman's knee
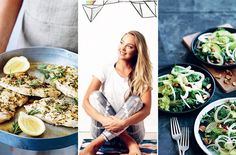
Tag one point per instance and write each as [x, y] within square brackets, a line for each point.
[95, 98]
[135, 101]
[95, 94]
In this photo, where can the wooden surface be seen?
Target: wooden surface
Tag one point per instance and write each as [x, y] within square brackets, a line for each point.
[225, 78]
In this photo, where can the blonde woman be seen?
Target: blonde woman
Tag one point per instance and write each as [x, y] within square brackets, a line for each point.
[124, 99]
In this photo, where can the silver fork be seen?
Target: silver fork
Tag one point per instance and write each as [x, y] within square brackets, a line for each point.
[184, 140]
[175, 131]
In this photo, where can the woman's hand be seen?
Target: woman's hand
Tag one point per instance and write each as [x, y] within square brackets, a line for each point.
[114, 124]
[106, 120]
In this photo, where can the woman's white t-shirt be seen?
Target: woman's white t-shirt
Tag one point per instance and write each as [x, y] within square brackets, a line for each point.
[114, 87]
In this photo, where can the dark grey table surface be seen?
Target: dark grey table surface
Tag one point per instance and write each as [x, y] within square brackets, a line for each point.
[178, 18]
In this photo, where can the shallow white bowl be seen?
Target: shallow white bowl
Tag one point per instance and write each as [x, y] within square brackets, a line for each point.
[199, 117]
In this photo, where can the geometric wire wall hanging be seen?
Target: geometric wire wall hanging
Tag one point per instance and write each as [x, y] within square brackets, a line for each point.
[145, 8]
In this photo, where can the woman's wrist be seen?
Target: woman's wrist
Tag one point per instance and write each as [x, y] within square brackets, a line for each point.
[125, 123]
[101, 119]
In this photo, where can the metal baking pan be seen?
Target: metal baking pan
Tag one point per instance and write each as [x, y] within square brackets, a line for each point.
[55, 137]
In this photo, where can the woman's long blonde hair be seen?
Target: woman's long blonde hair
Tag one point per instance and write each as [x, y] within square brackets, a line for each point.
[140, 79]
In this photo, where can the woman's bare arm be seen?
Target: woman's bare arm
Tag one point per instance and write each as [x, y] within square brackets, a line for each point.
[9, 10]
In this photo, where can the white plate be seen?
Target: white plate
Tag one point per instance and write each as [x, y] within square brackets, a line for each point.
[199, 117]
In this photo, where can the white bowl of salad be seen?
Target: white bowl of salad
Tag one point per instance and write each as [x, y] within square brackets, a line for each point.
[216, 47]
[215, 127]
[183, 88]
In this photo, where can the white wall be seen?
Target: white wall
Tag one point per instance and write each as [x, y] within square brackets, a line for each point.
[98, 43]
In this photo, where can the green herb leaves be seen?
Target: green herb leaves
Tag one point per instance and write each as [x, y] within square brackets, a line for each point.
[35, 83]
[33, 112]
[15, 128]
[51, 72]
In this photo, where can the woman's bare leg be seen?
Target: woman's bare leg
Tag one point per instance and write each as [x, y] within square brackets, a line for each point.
[130, 143]
[94, 146]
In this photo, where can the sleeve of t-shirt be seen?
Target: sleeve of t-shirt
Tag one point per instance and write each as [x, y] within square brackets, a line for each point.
[100, 74]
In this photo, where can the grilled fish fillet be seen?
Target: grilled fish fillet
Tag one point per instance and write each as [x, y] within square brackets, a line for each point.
[9, 101]
[59, 112]
[65, 78]
[25, 84]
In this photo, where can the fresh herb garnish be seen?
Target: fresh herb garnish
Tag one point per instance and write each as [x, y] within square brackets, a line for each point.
[60, 107]
[33, 112]
[52, 72]
[35, 83]
[15, 128]
[76, 100]
[19, 82]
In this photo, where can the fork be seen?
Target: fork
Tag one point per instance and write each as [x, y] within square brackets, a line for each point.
[175, 131]
[184, 140]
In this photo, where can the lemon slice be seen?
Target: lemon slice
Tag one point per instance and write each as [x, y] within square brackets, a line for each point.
[31, 125]
[90, 2]
[16, 65]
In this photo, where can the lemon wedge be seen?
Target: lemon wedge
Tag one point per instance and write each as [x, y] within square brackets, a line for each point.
[31, 125]
[90, 2]
[16, 65]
